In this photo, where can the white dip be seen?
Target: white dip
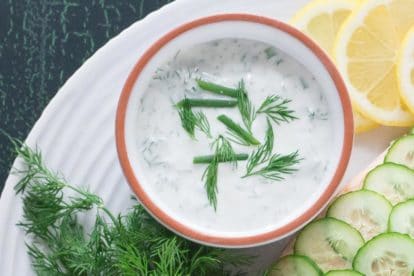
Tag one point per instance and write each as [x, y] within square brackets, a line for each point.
[244, 206]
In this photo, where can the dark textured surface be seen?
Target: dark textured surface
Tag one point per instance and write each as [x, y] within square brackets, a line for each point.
[42, 42]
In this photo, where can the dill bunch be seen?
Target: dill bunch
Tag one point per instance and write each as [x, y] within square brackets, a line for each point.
[130, 244]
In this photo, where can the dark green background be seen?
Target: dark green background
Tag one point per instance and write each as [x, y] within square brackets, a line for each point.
[42, 42]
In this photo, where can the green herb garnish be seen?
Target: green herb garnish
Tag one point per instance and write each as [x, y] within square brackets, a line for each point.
[239, 135]
[245, 106]
[210, 178]
[205, 159]
[222, 151]
[278, 166]
[317, 115]
[206, 103]
[270, 52]
[191, 120]
[277, 109]
[217, 89]
[131, 244]
[263, 153]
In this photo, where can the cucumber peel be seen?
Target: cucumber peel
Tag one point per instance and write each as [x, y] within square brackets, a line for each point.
[295, 265]
[345, 272]
[402, 218]
[330, 243]
[365, 210]
[386, 254]
[402, 152]
[394, 181]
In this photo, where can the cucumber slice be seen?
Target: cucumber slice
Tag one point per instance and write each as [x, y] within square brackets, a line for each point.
[394, 181]
[295, 265]
[386, 254]
[365, 210]
[346, 272]
[402, 218]
[402, 152]
[331, 243]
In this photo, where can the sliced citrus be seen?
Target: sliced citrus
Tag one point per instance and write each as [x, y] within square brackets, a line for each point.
[366, 51]
[321, 20]
[362, 124]
[405, 69]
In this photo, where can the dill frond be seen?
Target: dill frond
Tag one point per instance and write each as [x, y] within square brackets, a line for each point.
[191, 120]
[202, 123]
[276, 109]
[278, 166]
[210, 178]
[263, 153]
[222, 151]
[131, 244]
[245, 106]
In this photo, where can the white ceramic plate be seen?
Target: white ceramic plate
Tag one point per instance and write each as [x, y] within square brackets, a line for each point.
[76, 131]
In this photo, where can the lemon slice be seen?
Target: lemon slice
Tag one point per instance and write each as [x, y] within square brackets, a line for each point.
[366, 53]
[321, 20]
[405, 70]
[362, 124]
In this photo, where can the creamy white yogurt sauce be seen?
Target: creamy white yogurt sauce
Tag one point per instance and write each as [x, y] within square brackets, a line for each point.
[249, 205]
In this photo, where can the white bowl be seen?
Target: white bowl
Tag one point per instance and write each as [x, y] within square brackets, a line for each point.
[241, 26]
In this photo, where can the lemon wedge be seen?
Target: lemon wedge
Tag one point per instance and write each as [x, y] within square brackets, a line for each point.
[405, 70]
[366, 52]
[321, 20]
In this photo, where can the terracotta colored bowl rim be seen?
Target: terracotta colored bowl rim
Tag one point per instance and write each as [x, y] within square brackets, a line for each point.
[252, 240]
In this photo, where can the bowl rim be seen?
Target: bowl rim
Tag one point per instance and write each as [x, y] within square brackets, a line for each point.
[252, 240]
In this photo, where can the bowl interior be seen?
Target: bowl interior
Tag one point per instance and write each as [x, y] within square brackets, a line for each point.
[255, 31]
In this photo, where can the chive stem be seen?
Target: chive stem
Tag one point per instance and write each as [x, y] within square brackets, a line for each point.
[237, 129]
[205, 159]
[207, 103]
[217, 89]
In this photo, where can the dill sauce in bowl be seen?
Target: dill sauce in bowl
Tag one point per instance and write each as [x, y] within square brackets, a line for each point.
[165, 120]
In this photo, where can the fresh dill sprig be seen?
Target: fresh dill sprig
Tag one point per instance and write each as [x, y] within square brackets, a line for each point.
[191, 120]
[202, 123]
[222, 151]
[277, 109]
[239, 135]
[245, 106]
[263, 153]
[131, 244]
[210, 184]
[278, 166]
